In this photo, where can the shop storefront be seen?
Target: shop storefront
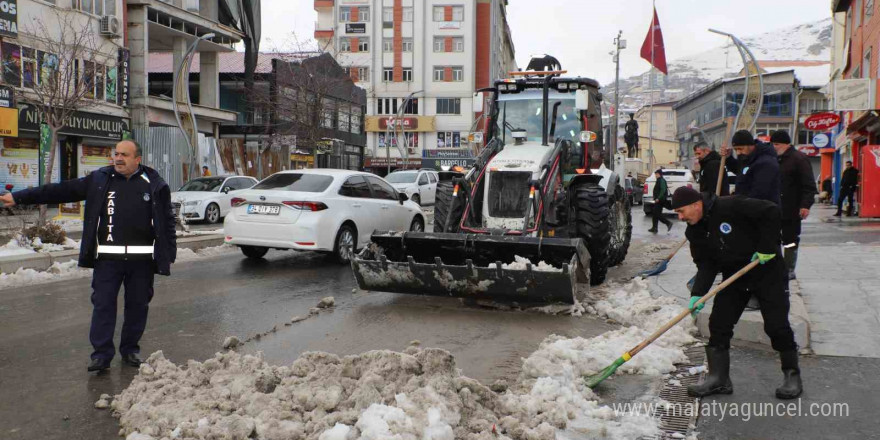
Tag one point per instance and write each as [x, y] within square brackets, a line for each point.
[447, 158]
[381, 130]
[863, 137]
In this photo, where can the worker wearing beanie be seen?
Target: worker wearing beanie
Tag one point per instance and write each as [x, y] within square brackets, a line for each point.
[756, 167]
[725, 234]
[798, 193]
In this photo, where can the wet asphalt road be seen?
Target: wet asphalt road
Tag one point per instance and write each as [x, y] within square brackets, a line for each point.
[47, 393]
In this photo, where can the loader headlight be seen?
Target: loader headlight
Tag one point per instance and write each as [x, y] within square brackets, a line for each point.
[562, 86]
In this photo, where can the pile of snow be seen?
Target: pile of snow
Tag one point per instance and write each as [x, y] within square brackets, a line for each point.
[417, 394]
[520, 263]
[186, 254]
[22, 246]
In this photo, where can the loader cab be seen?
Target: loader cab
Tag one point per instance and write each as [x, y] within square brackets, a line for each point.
[546, 107]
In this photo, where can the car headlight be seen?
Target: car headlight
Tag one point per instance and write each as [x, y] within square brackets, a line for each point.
[192, 203]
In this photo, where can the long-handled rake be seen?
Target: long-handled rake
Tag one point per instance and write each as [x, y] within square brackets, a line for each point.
[596, 379]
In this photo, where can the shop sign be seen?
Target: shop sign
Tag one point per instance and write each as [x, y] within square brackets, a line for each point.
[448, 154]
[7, 97]
[395, 162]
[808, 150]
[9, 122]
[355, 28]
[85, 124]
[821, 140]
[822, 121]
[440, 164]
[123, 77]
[9, 18]
[409, 123]
[450, 25]
[853, 94]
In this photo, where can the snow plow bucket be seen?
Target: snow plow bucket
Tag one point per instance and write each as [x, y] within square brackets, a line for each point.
[474, 266]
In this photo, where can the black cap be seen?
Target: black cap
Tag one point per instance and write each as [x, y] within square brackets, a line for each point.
[685, 196]
[659, 171]
[743, 137]
[780, 137]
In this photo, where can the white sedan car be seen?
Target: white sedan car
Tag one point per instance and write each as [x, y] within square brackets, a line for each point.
[419, 185]
[207, 198]
[324, 210]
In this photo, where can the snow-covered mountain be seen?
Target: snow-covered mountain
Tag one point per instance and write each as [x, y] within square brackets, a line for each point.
[806, 42]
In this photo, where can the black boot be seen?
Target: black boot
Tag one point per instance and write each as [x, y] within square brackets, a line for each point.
[98, 364]
[718, 379]
[131, 360]
[792, 386]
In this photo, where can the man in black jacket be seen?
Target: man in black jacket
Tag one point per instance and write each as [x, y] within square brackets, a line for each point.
[710, 163]
[848, 183]
[128, 235]
[661, 195]
[798, 194]
[725, 234]
[756, 167]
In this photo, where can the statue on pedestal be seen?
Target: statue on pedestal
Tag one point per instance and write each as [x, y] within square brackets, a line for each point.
[631, 137]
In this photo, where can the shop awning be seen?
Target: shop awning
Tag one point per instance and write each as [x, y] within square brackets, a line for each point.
[869, 121]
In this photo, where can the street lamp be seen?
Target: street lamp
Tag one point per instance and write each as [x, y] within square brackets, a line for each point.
[181, 90]
[618, 44]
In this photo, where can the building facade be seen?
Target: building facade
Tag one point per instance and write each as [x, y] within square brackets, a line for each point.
[853, 93]
[32, 34]
[436, 52]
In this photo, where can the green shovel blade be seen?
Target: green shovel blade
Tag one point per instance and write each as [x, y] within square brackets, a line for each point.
[596, 379]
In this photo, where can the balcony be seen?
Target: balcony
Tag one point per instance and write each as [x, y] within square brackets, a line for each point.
[323, 34]
[323, 4]
[166, 21]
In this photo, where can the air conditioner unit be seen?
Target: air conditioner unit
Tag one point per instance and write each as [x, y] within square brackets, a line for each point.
[412, 150]
[109, 26]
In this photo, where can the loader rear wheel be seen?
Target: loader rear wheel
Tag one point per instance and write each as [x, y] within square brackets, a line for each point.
[620, 222]
[591, 217]
[442, 204]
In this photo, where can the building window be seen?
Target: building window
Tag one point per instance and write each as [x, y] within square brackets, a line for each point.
[408, 14]
[458, 44]
[355, 119]
[439, 44]
[407, 75]
[448, 106]
[457, 13]
[407, 44]
[344, 44]
[387, 74]
[448, 139]
[389, 106]
[328, 113]
[358, 73]
[857, 10]
[344, 14]
[29, 75]
[364, 14]
[458, 73]
[388, 45]
[866, 64]
[387, 18]
[94, 6]
[439, 13]
[364, 44]
[343, 115]
[869, 8]
[439, 73]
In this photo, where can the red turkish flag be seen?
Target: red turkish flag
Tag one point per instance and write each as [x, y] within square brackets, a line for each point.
[654, 39]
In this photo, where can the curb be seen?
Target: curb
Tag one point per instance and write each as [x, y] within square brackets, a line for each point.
[42, 261]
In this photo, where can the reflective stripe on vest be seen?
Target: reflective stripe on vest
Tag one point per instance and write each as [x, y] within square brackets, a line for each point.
[102, 249]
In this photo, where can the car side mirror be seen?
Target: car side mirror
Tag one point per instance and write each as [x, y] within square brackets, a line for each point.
[402, 197]
[226, 189]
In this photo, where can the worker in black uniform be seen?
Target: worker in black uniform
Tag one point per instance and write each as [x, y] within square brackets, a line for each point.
[661, 196]
[128, 235]
[798, 194]
[725, 234]
[848, 183]
[756, 167]
[710, 163]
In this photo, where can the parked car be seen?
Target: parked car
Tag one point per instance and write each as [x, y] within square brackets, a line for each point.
[675, 178]
[207, 198]
[633, 190]
[323, 210]
[419, 185]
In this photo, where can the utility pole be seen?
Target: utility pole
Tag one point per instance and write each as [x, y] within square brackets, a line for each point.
[618, 44]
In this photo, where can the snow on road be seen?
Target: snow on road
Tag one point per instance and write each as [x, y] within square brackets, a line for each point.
[415, 394]
[69, 270]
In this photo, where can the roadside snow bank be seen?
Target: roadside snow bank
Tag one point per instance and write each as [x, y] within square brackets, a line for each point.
[21, 246]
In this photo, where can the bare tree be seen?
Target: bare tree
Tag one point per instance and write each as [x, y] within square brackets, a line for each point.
[305, 97]
[64, 81]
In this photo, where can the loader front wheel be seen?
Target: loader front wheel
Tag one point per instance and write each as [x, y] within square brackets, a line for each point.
[620, 222]
[443, 203]
[591, 213]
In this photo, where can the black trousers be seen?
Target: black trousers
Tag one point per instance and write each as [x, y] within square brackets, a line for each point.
[657, 215]
[108, 276]
[844, 194]
[767, 283]
[791, 233]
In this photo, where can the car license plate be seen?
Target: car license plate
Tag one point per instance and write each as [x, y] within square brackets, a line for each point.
[264, 209]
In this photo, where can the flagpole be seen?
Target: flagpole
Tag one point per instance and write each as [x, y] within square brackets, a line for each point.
[651, 93]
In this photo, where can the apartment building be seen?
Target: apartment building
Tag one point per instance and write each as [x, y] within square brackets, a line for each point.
[438, 51]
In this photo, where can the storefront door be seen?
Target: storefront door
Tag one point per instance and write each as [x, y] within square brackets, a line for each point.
[869, 187]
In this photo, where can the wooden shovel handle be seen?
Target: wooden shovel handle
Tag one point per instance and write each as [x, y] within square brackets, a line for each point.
[720, 176]
[677, 248]
[685, 313]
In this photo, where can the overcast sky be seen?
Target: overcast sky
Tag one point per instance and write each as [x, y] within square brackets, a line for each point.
[580, 33]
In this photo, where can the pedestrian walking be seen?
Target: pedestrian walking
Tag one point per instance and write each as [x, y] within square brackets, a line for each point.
[710, 163]
[848, 183]
[661, 197]
[128, 235]
[725, 234]
[798, 192]
[756, 167]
